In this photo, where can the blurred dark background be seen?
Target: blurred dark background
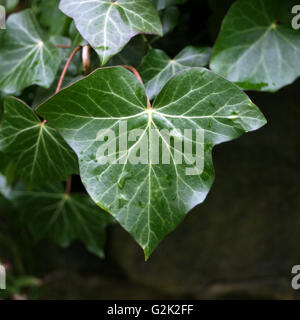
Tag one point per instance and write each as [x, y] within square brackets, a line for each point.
[242, 242]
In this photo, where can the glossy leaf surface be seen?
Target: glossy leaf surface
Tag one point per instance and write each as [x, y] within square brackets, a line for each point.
[255, 49]
[148, 199]
[40, 153]
[109, 25]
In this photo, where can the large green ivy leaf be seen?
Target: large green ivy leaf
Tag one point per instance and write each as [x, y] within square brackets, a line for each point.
[108, 25]
[50, 213]
[157, 68]
[25, 58]
[254, 49]
[148, 200]
[40, 153]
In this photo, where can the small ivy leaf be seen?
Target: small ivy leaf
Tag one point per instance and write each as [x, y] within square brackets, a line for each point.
[169, 19]
[25, 58]
[109, 25]
[157, 68]
[253, 45]
[51, 17]
[73, 73]
[162, 4]
[149, 200]
[132, 54]
[40, 153]
[50, 213]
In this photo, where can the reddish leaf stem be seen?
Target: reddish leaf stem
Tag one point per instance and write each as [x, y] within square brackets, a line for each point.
[68, 185]
[135, 72]
[61, 79]
[63, 46]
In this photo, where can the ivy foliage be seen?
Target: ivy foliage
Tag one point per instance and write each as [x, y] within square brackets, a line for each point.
[69, 64]
[109, 25]
[26, 58]
[255, 48]
[34, 146]
[157, 68]
[148, 199]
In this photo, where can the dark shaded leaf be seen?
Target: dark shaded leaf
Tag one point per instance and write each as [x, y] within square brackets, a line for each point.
[157, 68]
[40, 153]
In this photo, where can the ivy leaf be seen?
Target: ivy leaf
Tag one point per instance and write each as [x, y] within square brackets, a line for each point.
[51, 17]
[253, 45]
[40, 153]
[148, 200]
[25, 58]
[73, 73]
[132, 54]
[109, 25]
[157, 68]
[169, 19]
[50, 213]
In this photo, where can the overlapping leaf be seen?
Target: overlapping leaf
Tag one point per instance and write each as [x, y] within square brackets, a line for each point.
[108, 25]
[169, 19]
[157, 68]
[40, 153]
[25, 58]
[73, 73]
[49, 212]
[255, 49]
[148, 200]
[51, 17]
[132, 54]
